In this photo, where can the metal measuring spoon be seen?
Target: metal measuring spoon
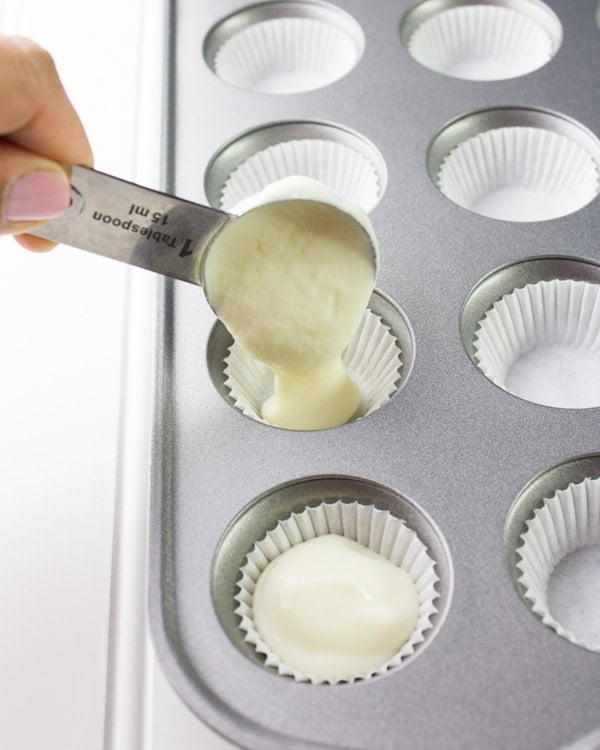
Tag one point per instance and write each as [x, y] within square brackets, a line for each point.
[149, 229]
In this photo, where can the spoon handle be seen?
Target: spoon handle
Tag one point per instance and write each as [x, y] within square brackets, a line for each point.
[124, 221]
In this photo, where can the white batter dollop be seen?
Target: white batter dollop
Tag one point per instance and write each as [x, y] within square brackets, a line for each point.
[334, 609]
[291, 279]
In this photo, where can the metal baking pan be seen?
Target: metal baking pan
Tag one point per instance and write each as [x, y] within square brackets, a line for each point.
[450, 452]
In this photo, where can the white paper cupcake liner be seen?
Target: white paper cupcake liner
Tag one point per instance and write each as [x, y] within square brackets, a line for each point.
[567, 524]
[348, 173]
[481, 43]
[519, 174]
[542, 343]
[286, 55]
[372, 358]
[375, 529]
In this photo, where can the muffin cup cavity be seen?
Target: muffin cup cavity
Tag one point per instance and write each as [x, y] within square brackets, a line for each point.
[372, 515]
[487, 41]
[375, 529]
[542, 343]
[341, 159]
[539, 341]
[379, 358]
[555, 555]
[373, 359]
[284, 47]
[516, 164]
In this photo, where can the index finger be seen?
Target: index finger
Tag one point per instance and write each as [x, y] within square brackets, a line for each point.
[35, 111]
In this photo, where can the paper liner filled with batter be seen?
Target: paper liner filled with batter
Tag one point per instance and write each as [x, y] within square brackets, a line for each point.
[519, 174]
[558, 560]
[481, 43]
[287, 55]
[375, 529]
[372, 358]
[542, 343]
[350, 174]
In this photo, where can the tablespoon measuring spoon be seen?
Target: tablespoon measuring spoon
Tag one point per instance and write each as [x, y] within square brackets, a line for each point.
[149, 229]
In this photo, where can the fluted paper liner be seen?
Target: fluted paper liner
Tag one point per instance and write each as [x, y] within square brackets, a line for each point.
[481, 43]
[352, 176]
[286, 55]
[519, 174]
[566, 522]
[375, 529]
[372, 358]
[542, 342]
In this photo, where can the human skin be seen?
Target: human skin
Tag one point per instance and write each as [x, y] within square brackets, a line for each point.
[40, 132]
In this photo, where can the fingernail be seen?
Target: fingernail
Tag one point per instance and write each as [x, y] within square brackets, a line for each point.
[36, 196]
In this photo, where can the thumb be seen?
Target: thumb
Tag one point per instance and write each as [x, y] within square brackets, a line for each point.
[33, 189]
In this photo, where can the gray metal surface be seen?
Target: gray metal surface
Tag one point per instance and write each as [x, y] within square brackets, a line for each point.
[451, 442]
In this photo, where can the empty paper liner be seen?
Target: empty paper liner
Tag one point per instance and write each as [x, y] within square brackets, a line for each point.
[559, 559]
[348, 173]
[519, 174]
[287, 55]
[485, 41]
[542, 343]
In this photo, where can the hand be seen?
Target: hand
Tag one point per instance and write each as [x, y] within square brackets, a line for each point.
[39, 132]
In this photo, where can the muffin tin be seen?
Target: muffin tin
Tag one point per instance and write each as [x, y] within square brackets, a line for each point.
[463, 462]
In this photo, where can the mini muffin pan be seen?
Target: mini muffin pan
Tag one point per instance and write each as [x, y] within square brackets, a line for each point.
[465, 463]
